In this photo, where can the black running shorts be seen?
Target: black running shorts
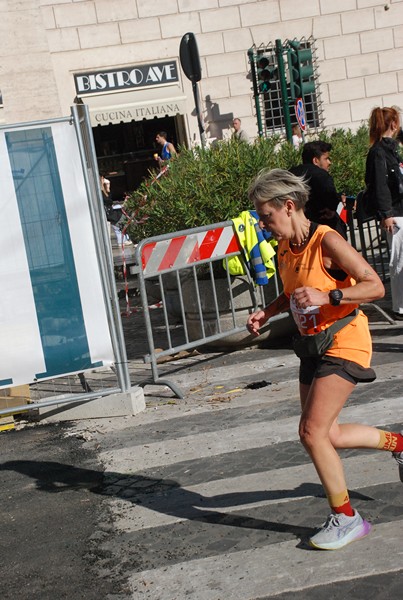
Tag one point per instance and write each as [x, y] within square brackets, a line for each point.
[316, 367]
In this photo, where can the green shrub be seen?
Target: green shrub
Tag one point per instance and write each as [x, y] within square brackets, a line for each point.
[349, 151]
[205, 186]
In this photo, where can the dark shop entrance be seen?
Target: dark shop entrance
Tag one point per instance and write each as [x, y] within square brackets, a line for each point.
[125, 150]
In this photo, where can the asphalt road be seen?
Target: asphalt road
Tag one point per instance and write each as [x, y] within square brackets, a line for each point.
[206, 498]
[50, 517]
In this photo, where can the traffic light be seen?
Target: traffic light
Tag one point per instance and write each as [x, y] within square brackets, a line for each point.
[265, 74]
[300, 66]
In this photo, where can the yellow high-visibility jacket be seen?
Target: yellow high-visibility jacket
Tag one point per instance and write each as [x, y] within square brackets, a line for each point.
[257, 246]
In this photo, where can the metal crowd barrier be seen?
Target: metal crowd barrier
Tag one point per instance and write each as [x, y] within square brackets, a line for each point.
[175, 268]
[366, 236]
[183, 267]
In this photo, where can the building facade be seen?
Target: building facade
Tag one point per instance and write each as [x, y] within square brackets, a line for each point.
[121, 57]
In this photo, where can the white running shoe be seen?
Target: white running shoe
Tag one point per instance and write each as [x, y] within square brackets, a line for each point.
[339, 530]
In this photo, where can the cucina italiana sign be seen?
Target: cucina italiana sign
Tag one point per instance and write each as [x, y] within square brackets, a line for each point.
[126, 78]
[102, 117]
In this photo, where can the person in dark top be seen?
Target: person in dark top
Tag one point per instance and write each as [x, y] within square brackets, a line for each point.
[383, 165]
[323, 198]
[384, 185]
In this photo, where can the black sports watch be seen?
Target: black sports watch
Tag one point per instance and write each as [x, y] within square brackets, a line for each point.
[335, 297]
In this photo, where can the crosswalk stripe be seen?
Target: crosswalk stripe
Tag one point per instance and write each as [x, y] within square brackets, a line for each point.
[254, 435]
[271, 570]
[270, 367]
[275, 367]
[214, 524]
[245, 492]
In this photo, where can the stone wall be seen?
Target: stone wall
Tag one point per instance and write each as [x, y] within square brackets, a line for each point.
[360, 51]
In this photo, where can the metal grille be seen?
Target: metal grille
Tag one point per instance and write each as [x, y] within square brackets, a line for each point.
[270, 104]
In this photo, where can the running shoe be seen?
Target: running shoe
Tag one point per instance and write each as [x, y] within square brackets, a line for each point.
[339, 530]
[398, 456]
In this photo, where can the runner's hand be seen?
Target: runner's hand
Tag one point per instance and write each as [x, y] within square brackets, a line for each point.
[255, 321]
[308, 296]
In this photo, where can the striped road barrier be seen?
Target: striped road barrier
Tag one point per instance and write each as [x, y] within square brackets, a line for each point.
[177, 262]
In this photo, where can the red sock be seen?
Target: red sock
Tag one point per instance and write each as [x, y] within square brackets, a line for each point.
[390, 441]
[340, 503]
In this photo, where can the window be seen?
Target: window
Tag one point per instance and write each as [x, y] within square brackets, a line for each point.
[282, 70]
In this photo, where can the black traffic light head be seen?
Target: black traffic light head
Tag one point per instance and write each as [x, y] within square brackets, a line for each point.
[266, 74]
[189, 57]
[300, 67]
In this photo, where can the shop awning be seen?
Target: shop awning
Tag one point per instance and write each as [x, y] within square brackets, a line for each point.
[135, 105]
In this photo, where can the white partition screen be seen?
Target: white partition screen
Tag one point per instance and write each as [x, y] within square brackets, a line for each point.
[53, 319]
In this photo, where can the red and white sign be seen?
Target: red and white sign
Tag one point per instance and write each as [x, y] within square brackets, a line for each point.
[300, 113]
[184, 250]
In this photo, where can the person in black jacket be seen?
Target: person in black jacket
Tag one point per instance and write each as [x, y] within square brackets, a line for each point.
[323, 198]
[384, 185]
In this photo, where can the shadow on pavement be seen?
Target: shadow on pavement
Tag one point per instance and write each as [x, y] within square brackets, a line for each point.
[163, 495]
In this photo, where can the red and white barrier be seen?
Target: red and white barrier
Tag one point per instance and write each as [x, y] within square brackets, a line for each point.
[184, 250]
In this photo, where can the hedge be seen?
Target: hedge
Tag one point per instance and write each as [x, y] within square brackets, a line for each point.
[209, 185]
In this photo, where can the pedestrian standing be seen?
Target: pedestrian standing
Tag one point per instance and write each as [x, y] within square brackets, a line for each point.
[239, 134]
[105, 185]
[113, 210]
[324, 281]
[323, 200]
[296, 136]
[384, 181]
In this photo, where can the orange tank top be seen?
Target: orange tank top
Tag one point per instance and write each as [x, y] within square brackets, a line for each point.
[306, 268]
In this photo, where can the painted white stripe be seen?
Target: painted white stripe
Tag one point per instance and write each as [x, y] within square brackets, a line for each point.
[156, 257]
[247, 491]
[185, 252]
[277, 568]
[255, 435]
[265, 368]
[160, 250]
[223, 242]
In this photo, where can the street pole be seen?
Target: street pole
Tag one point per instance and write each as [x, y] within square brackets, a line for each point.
[196, 97]
[251, 57]
[283, 84]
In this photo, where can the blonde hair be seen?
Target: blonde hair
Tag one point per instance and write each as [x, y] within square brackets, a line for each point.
[276, 186]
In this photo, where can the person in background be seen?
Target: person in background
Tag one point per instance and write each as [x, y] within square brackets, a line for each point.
[296, 136]
[106, 192]
[384, 182]
[239, 134]
[119, 220]
[113, 210]
[168, 149]
[324, 280]
[323, 198]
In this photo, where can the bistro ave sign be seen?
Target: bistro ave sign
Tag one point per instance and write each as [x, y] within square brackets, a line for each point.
[126, 78]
